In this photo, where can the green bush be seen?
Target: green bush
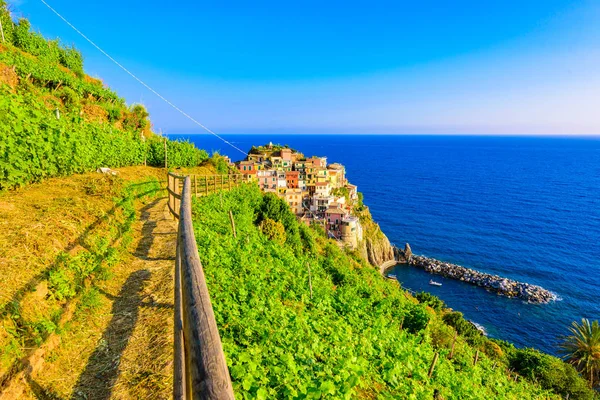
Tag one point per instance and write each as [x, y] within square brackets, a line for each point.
[71, 58]
[416, 319]
[136, 118]
[180, 153]
[36, 145]
[274, 230]
[7, 24]
[69, 97]
[278, 210]
[219, 162]
[430, 300]
[464, 328]
[551, 373]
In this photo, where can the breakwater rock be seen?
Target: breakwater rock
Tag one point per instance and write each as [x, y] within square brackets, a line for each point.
[494, 283]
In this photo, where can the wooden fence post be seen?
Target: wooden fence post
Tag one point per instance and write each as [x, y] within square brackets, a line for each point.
[166, 153]
[2, 31]
[433, 362]
[453, 344]
[476, 357]
[309, 280]
[232, 224]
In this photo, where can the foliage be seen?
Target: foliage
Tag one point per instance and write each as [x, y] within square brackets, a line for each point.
[136, 118]
[550, 372]
[357, 336]
[274, 230]
[36, 145]
[69, 97]
[278, 210]
[219, 162]
[464, 328]
[360, 206]
[582, 349]
[7, 24]
[430, 300]
[342, 191]
[179, 153]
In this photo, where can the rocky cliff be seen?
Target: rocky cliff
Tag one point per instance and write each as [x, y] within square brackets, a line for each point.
[376, 247]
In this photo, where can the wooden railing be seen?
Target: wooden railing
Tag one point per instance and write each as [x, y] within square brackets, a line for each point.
[200, 370]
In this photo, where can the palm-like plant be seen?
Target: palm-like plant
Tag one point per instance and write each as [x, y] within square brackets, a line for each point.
[582, 348]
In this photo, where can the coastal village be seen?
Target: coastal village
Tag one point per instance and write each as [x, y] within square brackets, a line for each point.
[317, 192]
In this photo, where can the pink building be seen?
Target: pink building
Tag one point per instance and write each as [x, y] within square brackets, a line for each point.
[334, 216]
[286, 154]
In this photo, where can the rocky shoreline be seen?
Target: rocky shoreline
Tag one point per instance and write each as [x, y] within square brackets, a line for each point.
[503, 286]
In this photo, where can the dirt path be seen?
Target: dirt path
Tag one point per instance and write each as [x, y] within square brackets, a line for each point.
[122, 347]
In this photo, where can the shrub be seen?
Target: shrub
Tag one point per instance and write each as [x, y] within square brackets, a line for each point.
[274, 230]
[551, 373]
[69, 97]
[219, 162]
[430, 300]
[71, 58]
[464, 328]
[137, 118]
[278, 210]
[416, 319]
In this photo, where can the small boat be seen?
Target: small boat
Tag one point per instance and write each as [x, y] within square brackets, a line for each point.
[391, 276]
[434, 283]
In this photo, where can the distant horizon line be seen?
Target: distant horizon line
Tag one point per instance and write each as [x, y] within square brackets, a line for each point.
[491, 135]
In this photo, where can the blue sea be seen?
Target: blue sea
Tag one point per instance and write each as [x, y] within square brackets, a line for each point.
[526, 208]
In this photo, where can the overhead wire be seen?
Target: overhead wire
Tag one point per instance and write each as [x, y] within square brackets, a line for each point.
[139, 80]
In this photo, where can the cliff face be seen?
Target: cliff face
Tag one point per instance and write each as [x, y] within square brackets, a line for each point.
[376, 247]
[377, 250]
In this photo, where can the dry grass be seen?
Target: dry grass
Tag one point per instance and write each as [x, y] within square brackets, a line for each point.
[119, 342]
[37, 224]
[123, 347]
[8, 76]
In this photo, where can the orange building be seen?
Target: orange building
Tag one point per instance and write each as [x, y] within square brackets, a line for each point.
[292, 179]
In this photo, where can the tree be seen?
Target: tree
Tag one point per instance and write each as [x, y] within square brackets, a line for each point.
[582, 349]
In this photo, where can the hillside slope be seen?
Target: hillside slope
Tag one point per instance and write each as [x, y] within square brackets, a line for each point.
[301, 318]
[55, 120]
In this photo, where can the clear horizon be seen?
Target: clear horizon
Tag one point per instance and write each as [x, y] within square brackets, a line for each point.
[392, 68]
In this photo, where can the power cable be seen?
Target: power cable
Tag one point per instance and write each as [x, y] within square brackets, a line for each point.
[139, 80]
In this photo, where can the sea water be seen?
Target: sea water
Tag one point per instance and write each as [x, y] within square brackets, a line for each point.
[526, 208]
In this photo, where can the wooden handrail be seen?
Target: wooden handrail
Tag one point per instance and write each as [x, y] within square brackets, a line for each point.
[200, 369]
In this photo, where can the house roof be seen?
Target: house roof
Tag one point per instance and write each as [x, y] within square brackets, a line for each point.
[322, 183]
[334, 210]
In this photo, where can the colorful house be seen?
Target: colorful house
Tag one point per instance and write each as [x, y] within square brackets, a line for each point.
[292, 179]
[286, 154]
[322, 189]
[294, 199]
[340, 173]
[334, 216]
[267, 180]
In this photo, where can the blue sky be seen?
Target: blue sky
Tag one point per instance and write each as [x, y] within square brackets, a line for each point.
[460, 67]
